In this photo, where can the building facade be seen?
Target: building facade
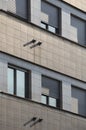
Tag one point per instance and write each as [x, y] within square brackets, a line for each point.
[42, 64]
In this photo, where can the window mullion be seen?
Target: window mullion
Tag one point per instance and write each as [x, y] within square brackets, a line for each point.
[15, 82]
[47, 100]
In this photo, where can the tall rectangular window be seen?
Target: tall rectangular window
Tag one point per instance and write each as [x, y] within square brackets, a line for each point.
[18, 82]
[51, 91]
[53, 16]
[79, 101]
[80, 25]
[18, 7]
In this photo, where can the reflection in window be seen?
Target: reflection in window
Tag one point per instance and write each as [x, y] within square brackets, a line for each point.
[10, 81]
[53, 14]
[52, 101]
[44, 99]
[50, 91]
[17, 7]
[48, 100]
[78, 100]
[18, 82]
[43, 25]
[51, 29]
[80, 26]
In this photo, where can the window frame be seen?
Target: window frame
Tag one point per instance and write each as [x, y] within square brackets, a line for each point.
[47, 101]
[28, 15]
[27, 79]
[58, 30]
[47, 28]
[58, 100]
[75, 16]
[78, 88]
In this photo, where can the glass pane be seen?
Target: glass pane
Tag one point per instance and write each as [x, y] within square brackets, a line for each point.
[17, 7]
[52, 85]
[52, 102]
[51, 11]
[51, 29]
[10, 81]
[44, 99]
[20, 84]
[43, 25]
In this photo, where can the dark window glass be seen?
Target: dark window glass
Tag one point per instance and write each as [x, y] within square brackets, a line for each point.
[52, 85]
[79, 100]
[18, 7]
[53, 16]
[51, 89]
[80, 26]
[52, 13]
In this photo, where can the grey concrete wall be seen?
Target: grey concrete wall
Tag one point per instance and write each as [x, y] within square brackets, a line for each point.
[14, 113]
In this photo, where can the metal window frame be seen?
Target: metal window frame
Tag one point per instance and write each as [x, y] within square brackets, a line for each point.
[59, 29]
[27, 80]
[47, 101]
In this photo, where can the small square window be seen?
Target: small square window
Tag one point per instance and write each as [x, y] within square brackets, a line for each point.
[18, 82]
[43, 25]
[52, 29]
[52, 101]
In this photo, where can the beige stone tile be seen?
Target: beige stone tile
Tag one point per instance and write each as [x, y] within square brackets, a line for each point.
[54, 53]
[79, 4]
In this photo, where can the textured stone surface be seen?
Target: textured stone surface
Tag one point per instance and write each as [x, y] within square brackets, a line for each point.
[14, 113]
[55, 53]
[81, 4]
[36, 80]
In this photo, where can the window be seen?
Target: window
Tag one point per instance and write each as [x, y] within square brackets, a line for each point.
[79, 101]
[17, 7]
[52, 101]
[80, 25]
[48, 27]
[44, 25]
[52, 29]
[18, 82]
[44, 99]
[49, 100]
[50, 92]
[52, 12]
